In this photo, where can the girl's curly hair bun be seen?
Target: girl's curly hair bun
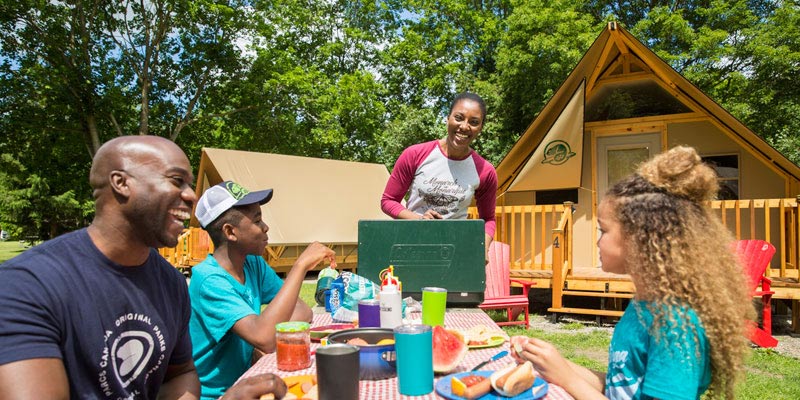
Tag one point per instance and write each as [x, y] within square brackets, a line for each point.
[681, 171]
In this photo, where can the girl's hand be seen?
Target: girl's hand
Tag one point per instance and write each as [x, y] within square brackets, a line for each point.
[517, 344]
[546, 359]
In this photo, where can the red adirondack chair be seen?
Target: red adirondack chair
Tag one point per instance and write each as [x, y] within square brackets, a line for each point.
[755, 256]
[498, 286]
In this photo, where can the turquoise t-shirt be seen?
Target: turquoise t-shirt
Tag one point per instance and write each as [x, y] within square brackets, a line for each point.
[218, 301]
[639, 367]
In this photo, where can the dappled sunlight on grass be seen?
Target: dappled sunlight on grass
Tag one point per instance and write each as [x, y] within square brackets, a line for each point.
[307, 294]
[770, 375]
[10, 249]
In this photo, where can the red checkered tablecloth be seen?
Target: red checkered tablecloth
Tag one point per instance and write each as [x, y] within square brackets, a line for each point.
[386, 389]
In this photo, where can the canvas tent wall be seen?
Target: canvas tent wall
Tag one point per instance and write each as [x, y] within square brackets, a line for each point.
[314, 199]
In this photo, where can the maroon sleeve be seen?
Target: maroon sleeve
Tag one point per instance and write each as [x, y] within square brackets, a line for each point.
[402, 176]
[486, 193]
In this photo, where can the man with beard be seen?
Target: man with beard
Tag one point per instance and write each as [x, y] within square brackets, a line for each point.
[98, 313]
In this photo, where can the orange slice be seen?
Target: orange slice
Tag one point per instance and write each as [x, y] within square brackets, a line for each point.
[457, 386]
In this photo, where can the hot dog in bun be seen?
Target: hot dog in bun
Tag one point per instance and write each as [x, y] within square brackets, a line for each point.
[513, 380]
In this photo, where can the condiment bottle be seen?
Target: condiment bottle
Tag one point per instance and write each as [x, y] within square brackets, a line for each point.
[293, 345]
[391, 304]
[387, 277]
[324, 280]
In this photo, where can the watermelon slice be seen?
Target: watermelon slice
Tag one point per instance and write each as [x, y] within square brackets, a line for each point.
[449, 348]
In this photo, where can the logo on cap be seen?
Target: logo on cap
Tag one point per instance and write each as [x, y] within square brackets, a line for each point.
[236, 190]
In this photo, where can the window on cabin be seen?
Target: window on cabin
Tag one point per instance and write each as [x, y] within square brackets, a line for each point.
[624, 161]
[727, 168]
[556, 196]
[632, 99]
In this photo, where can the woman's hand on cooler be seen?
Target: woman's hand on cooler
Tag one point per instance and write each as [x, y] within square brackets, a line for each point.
[257, 387]
[431, 214]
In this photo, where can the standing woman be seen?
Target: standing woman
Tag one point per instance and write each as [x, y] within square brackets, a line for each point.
[683, 333]
[442, 176]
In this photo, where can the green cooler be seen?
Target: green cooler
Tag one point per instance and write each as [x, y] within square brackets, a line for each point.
[443, 253]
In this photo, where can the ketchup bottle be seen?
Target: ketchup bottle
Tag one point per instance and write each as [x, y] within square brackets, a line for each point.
[391, 299]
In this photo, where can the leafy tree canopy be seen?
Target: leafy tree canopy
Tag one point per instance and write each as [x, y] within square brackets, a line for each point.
[344, 79]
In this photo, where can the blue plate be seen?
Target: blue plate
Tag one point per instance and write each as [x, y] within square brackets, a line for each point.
[443, 388]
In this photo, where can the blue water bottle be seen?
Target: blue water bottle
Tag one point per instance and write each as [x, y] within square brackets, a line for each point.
[414, 348]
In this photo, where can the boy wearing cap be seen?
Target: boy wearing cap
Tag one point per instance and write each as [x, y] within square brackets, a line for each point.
[229, 287]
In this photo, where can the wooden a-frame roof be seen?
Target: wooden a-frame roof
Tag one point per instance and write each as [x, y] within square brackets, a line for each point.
[617, 50]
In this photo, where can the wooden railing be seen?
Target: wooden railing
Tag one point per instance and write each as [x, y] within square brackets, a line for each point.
[194, 245]
[541, 236]
[530, 231]
[773, 220]
[562, 255]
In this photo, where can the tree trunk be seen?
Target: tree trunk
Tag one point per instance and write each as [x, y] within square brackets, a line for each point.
[94, 137]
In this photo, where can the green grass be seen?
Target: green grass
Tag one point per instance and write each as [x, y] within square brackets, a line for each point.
[770, 376]
[588, 348]
[9, 249]
[307, 294]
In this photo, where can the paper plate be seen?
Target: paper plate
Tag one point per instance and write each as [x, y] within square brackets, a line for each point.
[493, 342]
[320, 332]
[537, 391]
[295, 383]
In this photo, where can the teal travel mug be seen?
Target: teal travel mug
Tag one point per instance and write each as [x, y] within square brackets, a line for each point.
[414, 348]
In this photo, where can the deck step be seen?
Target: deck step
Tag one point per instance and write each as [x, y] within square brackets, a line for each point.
[619, 295]
[586, 311]
[509, 301]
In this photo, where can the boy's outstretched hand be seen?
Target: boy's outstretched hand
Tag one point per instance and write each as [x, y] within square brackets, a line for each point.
[315, 253]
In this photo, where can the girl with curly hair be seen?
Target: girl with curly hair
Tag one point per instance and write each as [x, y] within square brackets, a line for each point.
[682, 334]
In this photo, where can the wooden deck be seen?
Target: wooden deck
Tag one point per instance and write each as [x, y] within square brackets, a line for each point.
[786, 288]
[541, 239]
[583, 282]
[595, 279]
[588, 282]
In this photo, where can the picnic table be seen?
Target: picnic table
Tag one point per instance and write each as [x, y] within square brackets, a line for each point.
[461, 319]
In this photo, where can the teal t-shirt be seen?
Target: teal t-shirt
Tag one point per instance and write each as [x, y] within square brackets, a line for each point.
[639, 367]
[218, 301]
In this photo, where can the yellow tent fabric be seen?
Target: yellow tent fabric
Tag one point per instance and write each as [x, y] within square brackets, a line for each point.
[556, 162]
[314, 199]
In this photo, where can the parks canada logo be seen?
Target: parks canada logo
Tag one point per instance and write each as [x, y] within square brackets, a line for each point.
[134, 349]
[557, 152]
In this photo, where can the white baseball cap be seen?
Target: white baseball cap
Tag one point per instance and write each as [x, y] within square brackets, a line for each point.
[220, 198]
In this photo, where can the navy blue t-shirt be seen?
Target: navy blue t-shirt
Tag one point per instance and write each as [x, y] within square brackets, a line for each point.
[115, 328]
